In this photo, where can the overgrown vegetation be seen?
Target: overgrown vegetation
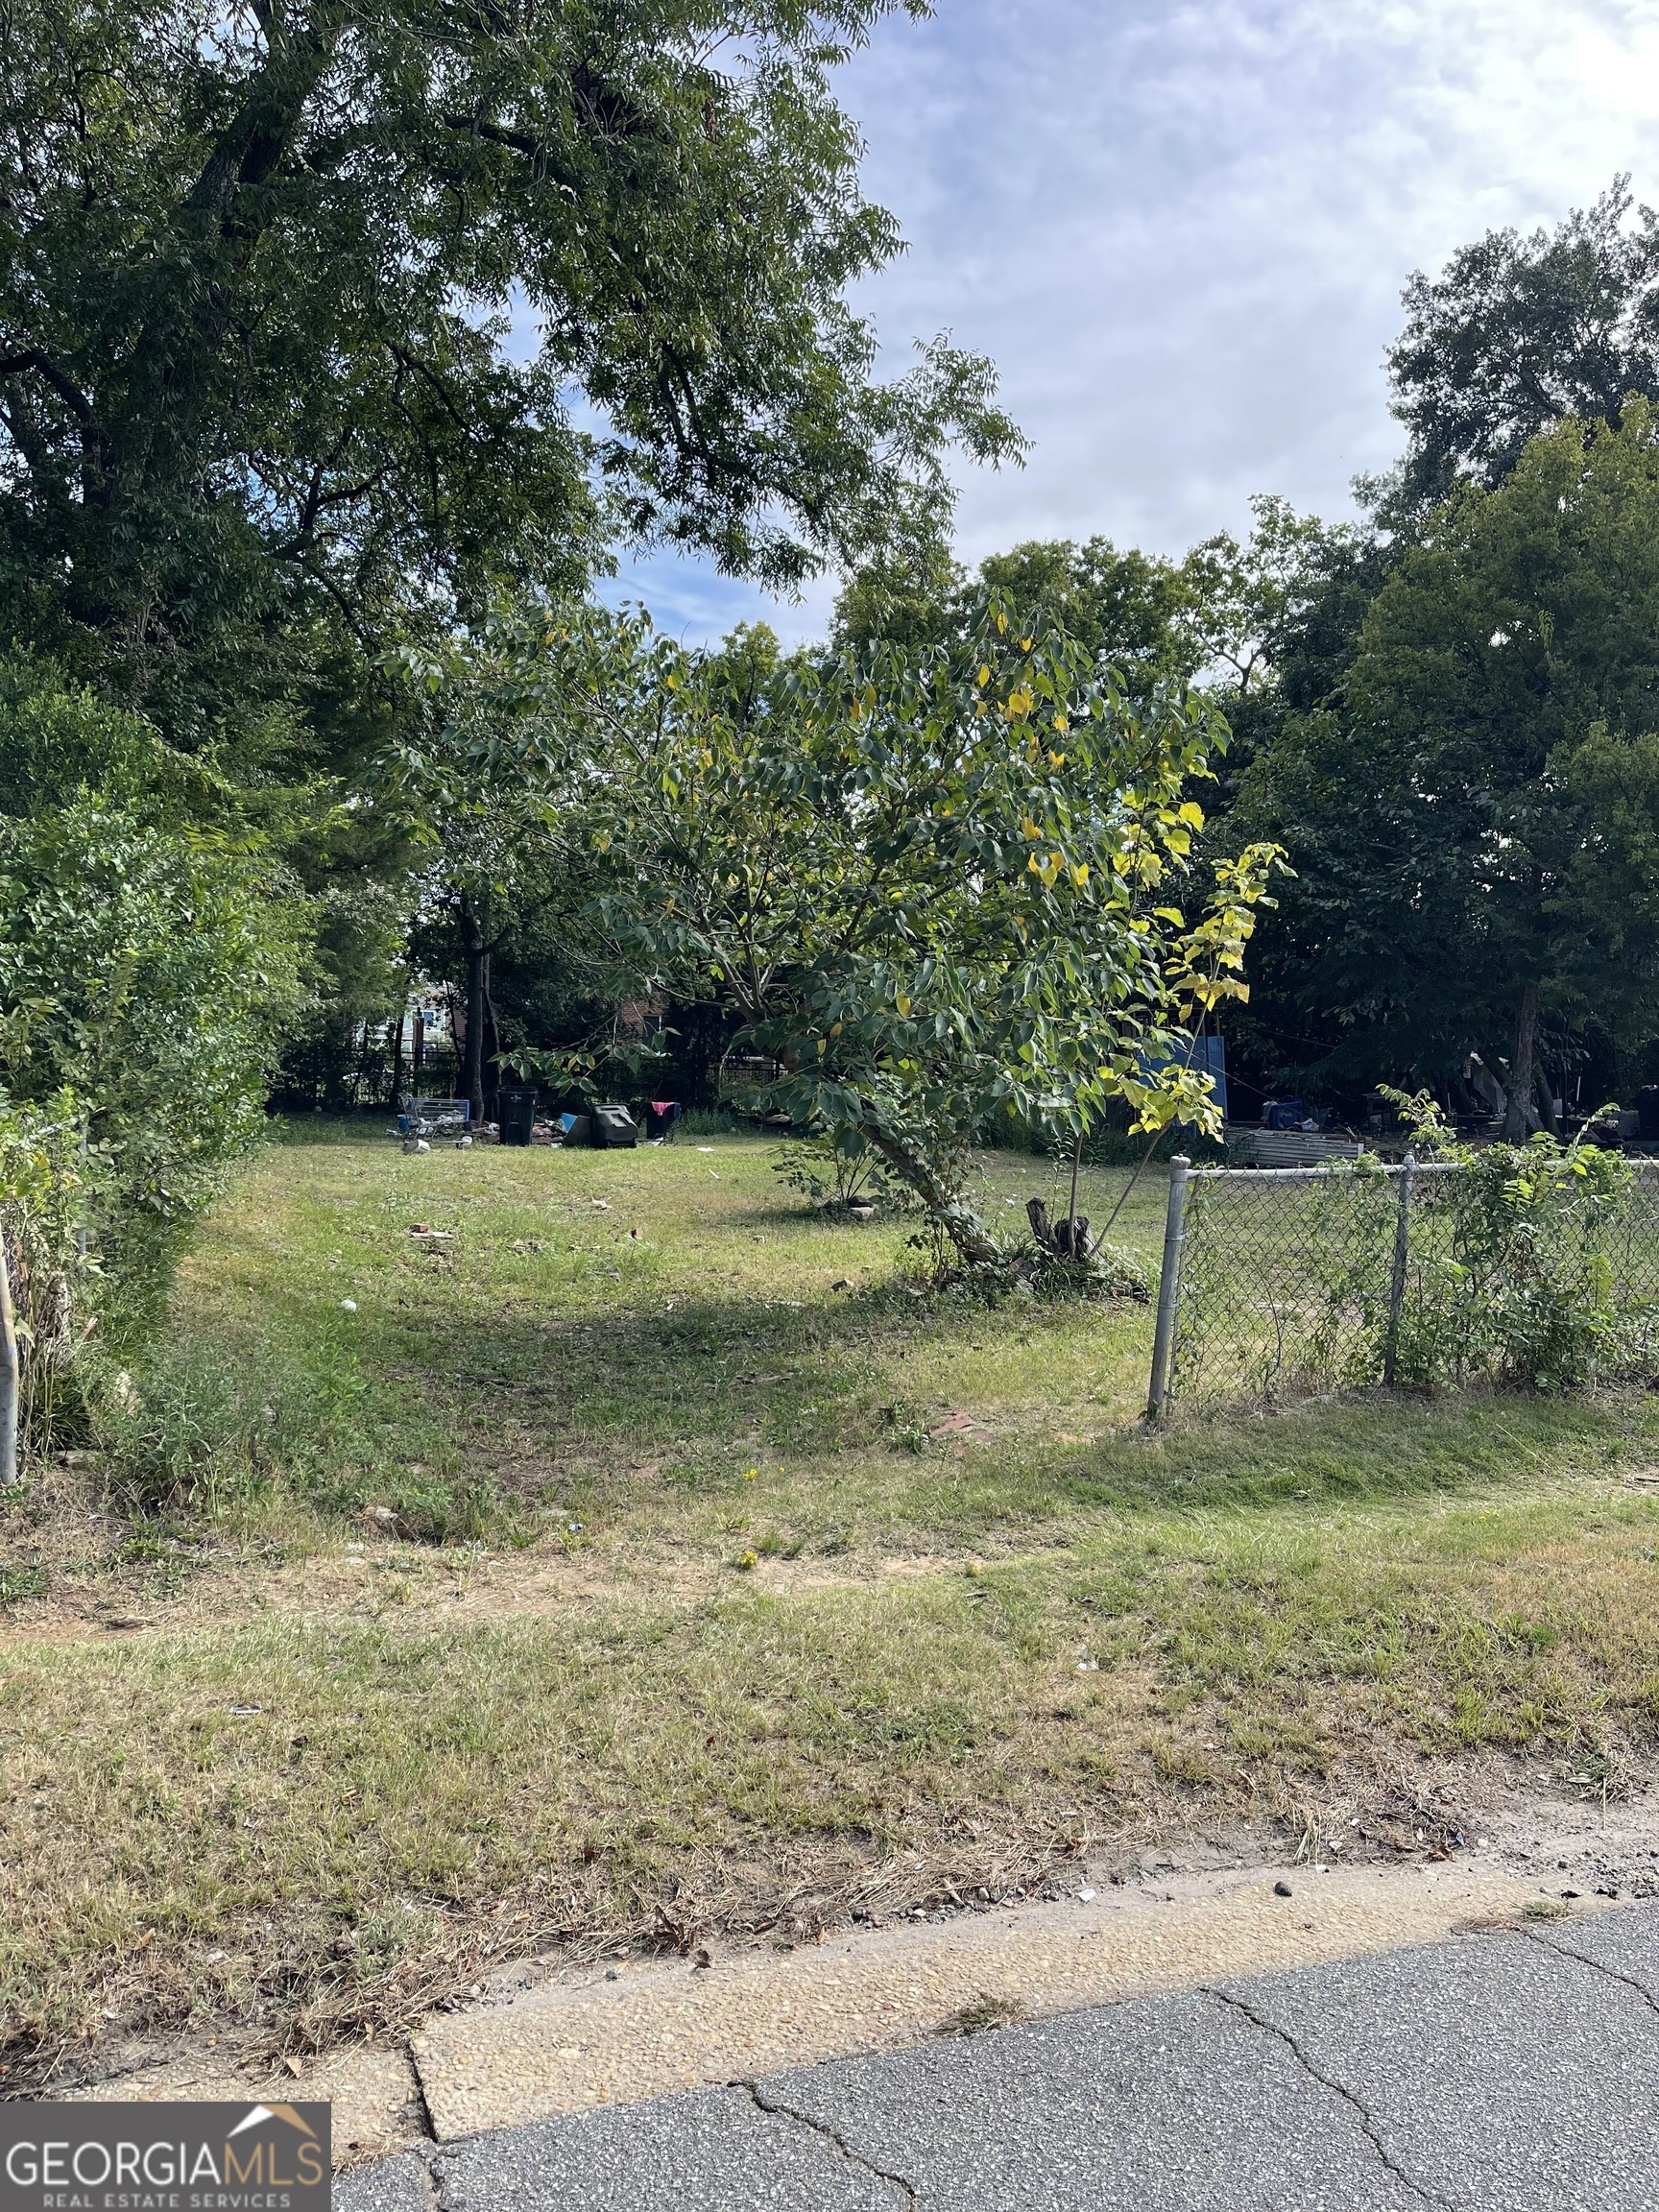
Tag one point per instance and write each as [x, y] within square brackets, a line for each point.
[148, 962]
[531, 1693]
[1533, 1266]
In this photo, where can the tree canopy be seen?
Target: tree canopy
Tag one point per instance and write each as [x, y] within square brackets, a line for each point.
[316, 316]
[1515, 334]
[1473, 820]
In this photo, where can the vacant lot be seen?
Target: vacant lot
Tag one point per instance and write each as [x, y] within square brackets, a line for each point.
[515, 1550]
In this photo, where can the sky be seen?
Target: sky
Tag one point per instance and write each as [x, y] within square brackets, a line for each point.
[1181, 233]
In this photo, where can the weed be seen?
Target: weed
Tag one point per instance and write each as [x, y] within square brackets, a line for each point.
[981, 2014]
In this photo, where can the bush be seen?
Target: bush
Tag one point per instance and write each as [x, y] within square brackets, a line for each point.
[1514, 1273]
[148, 963]
[839, 1169]
[47, 1179]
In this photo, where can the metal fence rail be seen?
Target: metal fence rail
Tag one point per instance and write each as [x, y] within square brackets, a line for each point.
[1281, 1283]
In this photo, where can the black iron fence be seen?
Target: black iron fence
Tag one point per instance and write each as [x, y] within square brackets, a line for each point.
[1283, 1283]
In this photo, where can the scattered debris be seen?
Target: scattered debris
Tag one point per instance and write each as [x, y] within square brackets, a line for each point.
[1283, 1889]
[842, 1283]
[958, 1430]
[347, 1304]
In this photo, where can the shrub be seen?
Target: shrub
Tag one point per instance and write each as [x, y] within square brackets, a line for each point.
[148, 963]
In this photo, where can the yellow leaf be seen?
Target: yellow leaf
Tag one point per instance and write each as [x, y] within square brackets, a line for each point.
[1062, 723]
[904, 1006]
[984, 672]
[1031, 827]
[1080, 873]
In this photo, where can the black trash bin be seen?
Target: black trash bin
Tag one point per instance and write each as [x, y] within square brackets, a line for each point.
[515, 1111]
[1647, 1113]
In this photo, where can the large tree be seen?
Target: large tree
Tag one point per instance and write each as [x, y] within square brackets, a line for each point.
[1515, 334]
[313, 314]
[1474, 813]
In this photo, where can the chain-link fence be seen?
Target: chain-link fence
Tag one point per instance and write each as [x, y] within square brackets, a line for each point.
[1298, 1282]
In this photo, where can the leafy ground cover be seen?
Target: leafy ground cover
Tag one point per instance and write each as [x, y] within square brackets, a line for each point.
[571, 1563]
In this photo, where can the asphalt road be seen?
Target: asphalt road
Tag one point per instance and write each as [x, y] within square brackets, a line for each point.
[1505, 2071]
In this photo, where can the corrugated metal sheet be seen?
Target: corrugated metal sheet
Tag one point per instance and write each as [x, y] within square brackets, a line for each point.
[1290, 1148]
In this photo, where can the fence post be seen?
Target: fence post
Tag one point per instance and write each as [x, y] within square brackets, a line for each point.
[1397, 1284]
[9, 1376]
[1168, 1288]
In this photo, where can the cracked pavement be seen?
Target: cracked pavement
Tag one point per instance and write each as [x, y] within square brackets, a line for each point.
[1510, 2069]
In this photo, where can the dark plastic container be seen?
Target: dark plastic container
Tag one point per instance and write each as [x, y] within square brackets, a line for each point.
[615, 1126]
[515, 1111]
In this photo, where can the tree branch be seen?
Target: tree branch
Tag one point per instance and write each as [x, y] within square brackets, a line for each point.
[534, 150]
[45, 368]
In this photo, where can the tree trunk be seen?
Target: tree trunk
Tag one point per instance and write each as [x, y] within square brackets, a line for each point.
[953, 1215]
[360, 1076]
[418, 1067]
[474, 946]
[1522, 1065]
[493, 1038]
[398, 1055]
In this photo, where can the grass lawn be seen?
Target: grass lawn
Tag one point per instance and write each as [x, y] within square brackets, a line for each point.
[638, 1555]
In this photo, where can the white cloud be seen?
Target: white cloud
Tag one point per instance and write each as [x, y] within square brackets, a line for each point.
[1181, 231]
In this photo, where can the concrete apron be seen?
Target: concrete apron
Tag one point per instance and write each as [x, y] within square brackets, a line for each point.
[595, 2036]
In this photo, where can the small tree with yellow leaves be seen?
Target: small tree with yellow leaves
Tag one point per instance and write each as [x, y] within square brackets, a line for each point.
[943, 889]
